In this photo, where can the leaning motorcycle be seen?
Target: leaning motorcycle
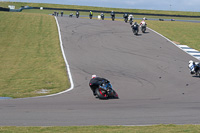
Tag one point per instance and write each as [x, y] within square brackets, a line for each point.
[135, 29]
[195, 69]
[105, 91]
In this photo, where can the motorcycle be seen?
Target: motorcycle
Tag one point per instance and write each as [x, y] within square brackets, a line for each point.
[194, 68]
[105, 91]
[143, 28]
[90, 16]
[102, 16]
[77, 14]
[135, 28]
[71, 15]
[131, 21]
[113, 17]
[126, 19]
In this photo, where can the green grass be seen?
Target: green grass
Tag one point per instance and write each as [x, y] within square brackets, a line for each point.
[30, 56]
[183, 32]
[31, 60]
[105, 129]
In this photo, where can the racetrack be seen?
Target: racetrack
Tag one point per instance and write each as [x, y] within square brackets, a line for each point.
[148, 72]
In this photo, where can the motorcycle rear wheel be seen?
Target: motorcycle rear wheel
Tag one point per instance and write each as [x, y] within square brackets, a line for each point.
[101, 94]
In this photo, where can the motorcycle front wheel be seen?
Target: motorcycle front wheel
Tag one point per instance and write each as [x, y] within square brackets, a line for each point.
[114, 95]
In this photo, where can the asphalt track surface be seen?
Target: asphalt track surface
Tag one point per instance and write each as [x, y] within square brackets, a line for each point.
[149, 73]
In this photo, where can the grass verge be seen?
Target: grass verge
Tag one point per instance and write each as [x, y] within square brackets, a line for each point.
[185, 33]
[30, 56]
[105, 129]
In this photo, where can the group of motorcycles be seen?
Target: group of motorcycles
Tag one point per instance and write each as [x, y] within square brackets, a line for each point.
[135, 26]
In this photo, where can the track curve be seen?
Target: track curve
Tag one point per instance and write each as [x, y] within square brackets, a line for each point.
[148, 72]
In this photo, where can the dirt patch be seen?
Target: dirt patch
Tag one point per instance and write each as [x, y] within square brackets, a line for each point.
[176, 42]
[43, 91]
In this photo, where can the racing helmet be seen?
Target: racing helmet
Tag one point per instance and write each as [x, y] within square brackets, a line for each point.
[190, 61]
[94, 76]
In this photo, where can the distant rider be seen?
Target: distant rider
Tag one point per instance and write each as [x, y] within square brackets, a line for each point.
[194, 67]
[130, 17]
[143, 23]
[102, 16]
[95, 82]
[91, 14]
[77, 14]
[125, 17]
[135, 23]
[112, 14]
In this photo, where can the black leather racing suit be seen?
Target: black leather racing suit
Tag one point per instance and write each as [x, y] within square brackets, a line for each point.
[95, 82]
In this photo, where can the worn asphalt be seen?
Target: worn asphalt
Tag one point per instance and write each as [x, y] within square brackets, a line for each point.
[148, 72]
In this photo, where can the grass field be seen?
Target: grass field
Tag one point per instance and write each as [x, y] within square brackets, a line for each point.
[105, 129]
[182, 32]
[30, 56]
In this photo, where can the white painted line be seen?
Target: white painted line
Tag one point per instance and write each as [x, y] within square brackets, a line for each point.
[67, 65]
[182, 45]
[191, 50]
[194, 53]
[175, 44]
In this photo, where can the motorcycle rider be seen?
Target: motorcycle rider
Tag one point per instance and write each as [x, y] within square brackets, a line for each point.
[130, 18]
[143, 23]
[77, 14]
[125, 17]
[91, 14]
[112, 14]
[102, 16]
[135, 23]
[194, 67]
[95, 82]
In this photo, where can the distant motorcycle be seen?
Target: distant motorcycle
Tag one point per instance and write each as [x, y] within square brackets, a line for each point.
[135, 28]
[131, 21]
[194, 68]
[102, 16]
[125, 17]
[77, 14]
[90, 16]
[143, 28]
[105, 91]
[113, 17]
[71, 15]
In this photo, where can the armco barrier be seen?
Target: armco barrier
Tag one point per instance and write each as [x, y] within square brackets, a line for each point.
[20, 9]
[4, 9]
[99, 11]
